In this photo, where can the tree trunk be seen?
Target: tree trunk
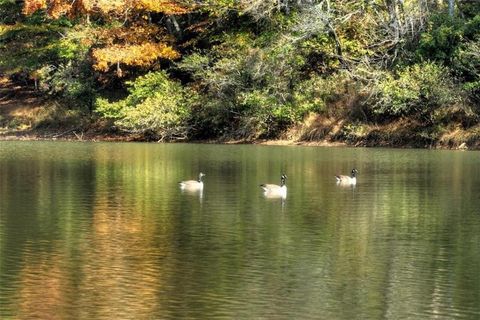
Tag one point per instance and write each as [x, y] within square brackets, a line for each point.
[173, 27]
[394, 21]
[451, 7]
[338, 46]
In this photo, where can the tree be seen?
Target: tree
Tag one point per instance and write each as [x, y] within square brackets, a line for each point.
[135, 43]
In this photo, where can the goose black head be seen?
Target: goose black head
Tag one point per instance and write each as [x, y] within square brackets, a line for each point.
[200, 176]
[282, 179]
[354, 172]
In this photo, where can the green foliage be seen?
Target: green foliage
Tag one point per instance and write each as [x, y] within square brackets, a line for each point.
[418, 89]
[455, 42]
[469, 8]
[69, 48]
[467, 64]
[49, 56]
[111, 110]
[472, 28]
[72, 82]
[314, 94]
[155, 105]
[253, 79]
[441, 39]
[26, 48]
[252, 69]
[10, 11]
[262, 115]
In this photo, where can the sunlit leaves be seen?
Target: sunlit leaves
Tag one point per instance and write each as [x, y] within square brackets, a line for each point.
[135, 43]
[32, 6]
[163, 6]
[56, 8]
[419, 88]
[132, 55]
[155, 104]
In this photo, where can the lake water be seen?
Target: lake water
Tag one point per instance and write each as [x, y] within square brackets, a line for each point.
[102, 231]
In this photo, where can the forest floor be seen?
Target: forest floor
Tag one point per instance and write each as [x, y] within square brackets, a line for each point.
[27, 115]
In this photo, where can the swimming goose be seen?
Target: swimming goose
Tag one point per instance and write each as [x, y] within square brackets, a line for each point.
[193, 184]
[273, 190]
[341, 179]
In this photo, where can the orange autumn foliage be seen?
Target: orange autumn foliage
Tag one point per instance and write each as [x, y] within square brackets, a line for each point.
[135, 43]
[136, 33]
[140, 44]
[57, 8]
[31, 6]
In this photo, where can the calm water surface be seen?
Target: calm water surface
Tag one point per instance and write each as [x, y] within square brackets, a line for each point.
[102, 231]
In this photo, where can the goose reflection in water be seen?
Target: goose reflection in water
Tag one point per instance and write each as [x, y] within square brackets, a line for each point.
[193, 193]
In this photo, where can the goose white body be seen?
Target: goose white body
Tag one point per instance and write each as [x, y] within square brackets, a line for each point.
[275, 190]
[192, 185]
[347, 180]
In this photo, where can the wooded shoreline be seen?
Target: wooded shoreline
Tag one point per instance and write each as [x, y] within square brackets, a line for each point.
[21, 106]
[359, 73]
[75, 135]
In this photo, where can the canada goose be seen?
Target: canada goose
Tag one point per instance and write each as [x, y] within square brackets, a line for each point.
[273, 190]
[193, 184]
[341, 179]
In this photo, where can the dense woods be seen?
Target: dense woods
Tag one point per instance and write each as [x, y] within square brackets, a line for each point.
[372, 72]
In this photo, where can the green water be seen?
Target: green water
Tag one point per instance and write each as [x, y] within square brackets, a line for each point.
[102, 231]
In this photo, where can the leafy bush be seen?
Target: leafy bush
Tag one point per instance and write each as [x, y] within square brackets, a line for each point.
[155, 105]
[263, 115]
[72, 82]
[248, 84]
[442, 38]
[314, 94]
[467, 65]
[472, 28]
[418, 89]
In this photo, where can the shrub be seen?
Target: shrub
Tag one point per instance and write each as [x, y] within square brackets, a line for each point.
[417, 89]
[263, 115]
[155, 105]
[467, 65]
[72, 83]
[441, 39]
[314, 94]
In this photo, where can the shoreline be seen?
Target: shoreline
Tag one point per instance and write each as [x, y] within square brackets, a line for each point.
[25, 109]
[73, 136]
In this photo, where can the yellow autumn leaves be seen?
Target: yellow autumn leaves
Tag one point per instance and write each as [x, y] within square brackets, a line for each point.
[136, 44]
[132, 55]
